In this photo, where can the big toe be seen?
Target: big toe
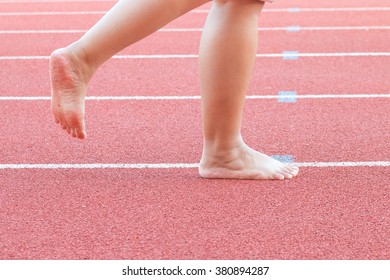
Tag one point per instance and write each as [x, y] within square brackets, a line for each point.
[81, 134]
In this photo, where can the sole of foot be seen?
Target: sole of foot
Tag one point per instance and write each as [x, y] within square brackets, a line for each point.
[68, 89]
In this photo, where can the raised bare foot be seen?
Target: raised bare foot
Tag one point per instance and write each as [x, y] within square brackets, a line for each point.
[69, 80]
[243, 162]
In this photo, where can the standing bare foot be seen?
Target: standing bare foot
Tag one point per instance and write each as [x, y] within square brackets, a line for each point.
[242, 162]
[69, 78]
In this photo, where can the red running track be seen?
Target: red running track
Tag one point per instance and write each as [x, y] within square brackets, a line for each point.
[169, 131]
[325, 213]
[187, 42]
[306, 75]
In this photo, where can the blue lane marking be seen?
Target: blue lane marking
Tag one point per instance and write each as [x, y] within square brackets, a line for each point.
[287, 96]
[294, 10]
[290, 55]
[284, 158]
[293, 28]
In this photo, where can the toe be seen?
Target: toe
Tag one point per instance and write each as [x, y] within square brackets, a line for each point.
[286, 172]
[73, 132]
[277, 176]
[294, 170]
[287, 175]
[80, 133]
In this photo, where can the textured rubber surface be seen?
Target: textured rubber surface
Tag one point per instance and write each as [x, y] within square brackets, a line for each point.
[324, 213]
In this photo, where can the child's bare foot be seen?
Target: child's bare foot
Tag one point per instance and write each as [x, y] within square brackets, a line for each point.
[243, 162]
[69, 78]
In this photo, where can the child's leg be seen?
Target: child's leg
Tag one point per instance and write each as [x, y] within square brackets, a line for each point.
[227, 55]
[71, 68]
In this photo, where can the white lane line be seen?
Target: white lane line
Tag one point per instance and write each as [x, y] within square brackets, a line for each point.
[297, 10]
[186, 56]
[155, 56]
[42, 31]
[346, 164]
[179, 165]
[52, 1]
[59, 13]
[200, 11]
[100, 166]
[177, 30]
[197, 97]
[335, 96]
[340, 9]
[353, 54]
[336, 28]
[38, 57]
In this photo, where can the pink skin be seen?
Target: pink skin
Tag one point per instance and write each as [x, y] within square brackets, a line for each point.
[227, 54]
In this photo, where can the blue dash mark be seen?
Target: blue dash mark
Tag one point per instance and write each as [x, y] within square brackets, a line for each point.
[284, 158]
[293, 28]
[287, 96]
[294, 10]
[290, 55]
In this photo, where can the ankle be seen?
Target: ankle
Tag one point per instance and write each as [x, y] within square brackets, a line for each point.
[80, 57]
[221, 141]
[222, 151]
